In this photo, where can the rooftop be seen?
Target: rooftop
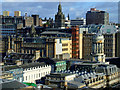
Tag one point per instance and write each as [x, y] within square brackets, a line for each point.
[53, 32]
[49, 60]
[27, 65]
[59, 74]
[13, 84]
[18, 56]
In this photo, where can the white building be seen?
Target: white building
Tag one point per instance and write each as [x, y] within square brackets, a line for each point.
[63, 48]
[78, 21]
[35, 71]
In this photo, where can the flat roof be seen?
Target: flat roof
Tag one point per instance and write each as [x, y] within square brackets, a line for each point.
[59, 74]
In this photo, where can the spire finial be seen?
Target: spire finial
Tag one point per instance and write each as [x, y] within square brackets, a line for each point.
[59, 2]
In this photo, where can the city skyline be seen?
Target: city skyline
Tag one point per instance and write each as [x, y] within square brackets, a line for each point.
[49, 9]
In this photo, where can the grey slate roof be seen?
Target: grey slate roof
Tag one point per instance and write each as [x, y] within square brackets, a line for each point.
[28, 65]
[18, 56]
[52, 32]
[7, 68]
[77, 82]
[12, 85]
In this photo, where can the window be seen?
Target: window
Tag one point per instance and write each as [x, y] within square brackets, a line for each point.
[26, 78]
[39, 74]
[34, 76]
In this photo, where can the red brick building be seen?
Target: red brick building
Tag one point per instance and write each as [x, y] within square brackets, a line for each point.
[75, 42]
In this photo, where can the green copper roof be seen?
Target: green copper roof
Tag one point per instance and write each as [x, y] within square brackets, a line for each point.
[30, 84]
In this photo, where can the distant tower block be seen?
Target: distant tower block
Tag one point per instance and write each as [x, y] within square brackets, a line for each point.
[17, 13]
[98, 48]
[5, 13]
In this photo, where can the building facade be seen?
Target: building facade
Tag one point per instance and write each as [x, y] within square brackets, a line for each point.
[58, 80]
[28, 22]
[35, 71]
[36, 20]
[78, 21]
[75, 42]
[109, 45]
[63, 48]
[16, 71]
[6, 75]
[97, 17]
[17, 13]
[117, 44]
[10, 25]
[5, 13]
[111, 72]
[60, 66]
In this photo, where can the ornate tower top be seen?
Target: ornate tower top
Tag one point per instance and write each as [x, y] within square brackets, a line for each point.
[59, 18]
[98, 48]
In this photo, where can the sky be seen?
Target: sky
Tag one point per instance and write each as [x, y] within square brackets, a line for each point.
[49, 9]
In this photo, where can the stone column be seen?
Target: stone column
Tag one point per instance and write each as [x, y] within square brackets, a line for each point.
[46, 50]
[42, 52]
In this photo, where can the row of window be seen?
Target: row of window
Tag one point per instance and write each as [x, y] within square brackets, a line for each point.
[35, 76]
[65, 49]
[52, 78]
[65, 44]
[46, 66]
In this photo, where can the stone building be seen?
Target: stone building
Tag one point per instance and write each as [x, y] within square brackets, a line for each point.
[76, 80]
[6, 75]
[18, 58]
[56, 64]
[43, 46]
[111, 72]
[36, 20]
[59, 80]
[28, 21]
[16, 71]
[109, 45]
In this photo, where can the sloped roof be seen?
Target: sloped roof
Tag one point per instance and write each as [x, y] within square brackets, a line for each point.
[12, 85]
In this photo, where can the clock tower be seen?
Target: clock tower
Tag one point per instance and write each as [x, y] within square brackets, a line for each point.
[59, 18]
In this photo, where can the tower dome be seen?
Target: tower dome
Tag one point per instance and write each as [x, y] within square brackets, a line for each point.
[98, 48]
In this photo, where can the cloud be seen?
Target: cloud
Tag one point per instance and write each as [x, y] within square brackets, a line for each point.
[39, 6]
[71, 9]
[61, 1]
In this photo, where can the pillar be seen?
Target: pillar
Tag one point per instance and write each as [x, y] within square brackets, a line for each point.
[46, 50]
[42, 52]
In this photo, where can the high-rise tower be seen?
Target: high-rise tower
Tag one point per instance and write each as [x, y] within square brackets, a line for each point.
[59, 18]
[98, 48]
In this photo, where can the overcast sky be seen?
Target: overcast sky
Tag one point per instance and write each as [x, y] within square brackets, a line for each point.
[49, 9]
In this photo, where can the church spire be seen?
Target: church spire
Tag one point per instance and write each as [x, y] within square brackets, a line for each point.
[59, 8]
[68, 17]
